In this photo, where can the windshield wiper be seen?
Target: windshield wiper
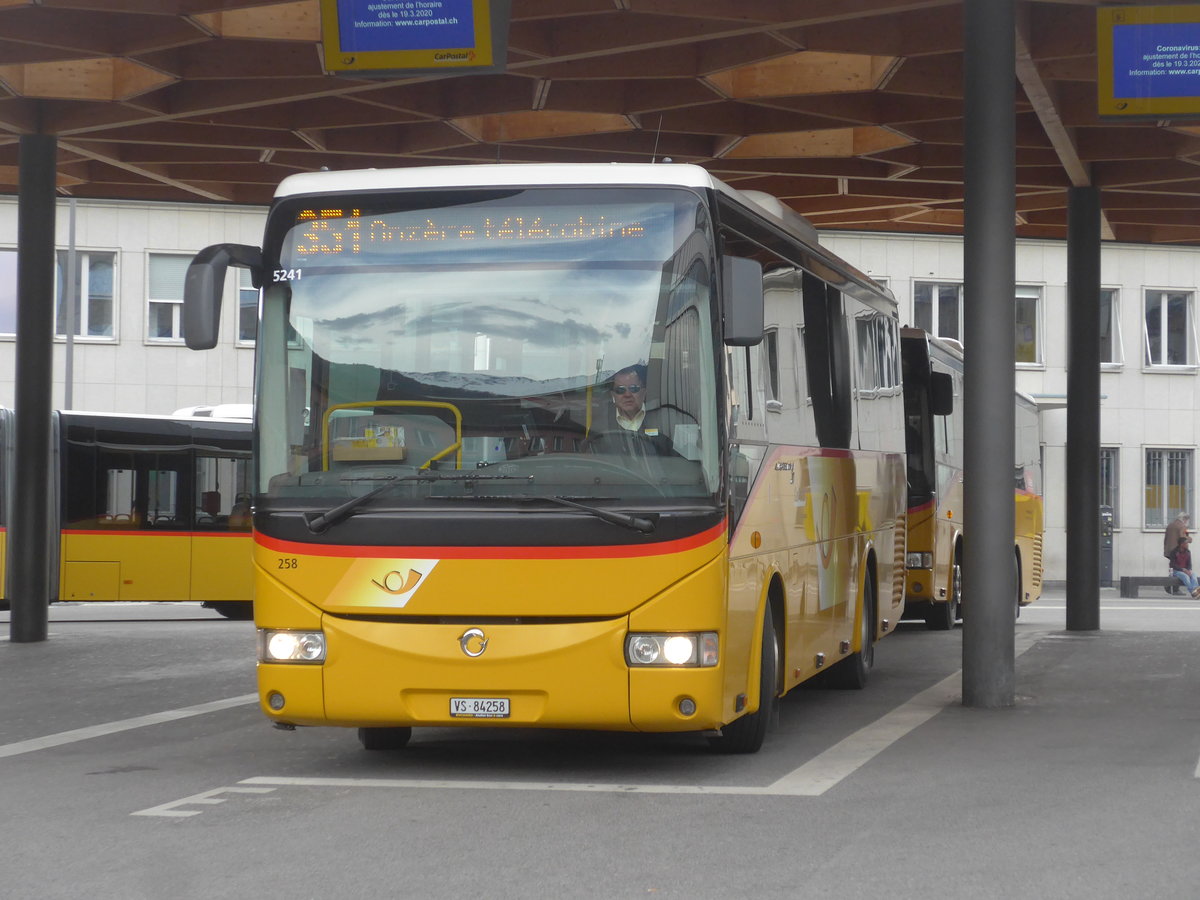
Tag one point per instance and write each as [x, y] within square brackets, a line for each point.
[645, 525]
[322, 521]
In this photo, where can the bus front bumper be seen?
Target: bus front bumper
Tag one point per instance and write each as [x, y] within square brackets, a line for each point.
[546, 675]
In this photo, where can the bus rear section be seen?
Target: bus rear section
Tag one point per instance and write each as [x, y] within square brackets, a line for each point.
[154, 509]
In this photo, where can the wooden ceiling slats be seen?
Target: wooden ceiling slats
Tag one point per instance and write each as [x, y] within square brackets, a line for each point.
[219, 99]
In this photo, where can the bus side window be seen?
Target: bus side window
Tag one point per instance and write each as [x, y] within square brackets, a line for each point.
[222, 490]
[119, 507]
[827, 351]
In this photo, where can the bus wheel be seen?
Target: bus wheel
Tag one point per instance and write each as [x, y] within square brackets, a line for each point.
[384, 738]
[941, 616]
[1017, 575]
[852, 671]
[745, 735]
[234, 609]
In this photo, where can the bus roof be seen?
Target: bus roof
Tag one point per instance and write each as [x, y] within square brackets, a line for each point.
[499, 174]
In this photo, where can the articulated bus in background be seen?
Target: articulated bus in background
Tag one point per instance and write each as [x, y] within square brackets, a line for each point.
[933, 392]
[148, 508]
[452, 527]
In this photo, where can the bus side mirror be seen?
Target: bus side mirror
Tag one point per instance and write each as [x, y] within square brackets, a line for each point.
[204, 285]
[941, 390]
[741, 279]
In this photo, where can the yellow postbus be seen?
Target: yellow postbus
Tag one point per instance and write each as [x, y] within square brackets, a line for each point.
[933, 391]
[148, 508]
[608, 447]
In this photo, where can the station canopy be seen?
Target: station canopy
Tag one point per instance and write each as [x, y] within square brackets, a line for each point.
[851, 111]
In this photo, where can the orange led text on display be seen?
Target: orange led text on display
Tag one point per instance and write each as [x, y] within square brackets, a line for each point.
[338, 231]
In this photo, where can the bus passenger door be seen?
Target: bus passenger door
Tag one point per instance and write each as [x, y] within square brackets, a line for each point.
[123, 538]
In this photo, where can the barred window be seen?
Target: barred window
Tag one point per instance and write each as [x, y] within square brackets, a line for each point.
[1168, 485]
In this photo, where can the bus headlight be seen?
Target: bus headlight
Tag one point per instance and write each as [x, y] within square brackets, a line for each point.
[290, 646]
[698, 649]
[918, 561]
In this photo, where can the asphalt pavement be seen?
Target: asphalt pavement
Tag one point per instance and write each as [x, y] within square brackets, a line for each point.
[134, 763]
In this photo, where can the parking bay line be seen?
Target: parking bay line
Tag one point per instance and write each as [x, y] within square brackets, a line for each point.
[812, 779]
[106, 728]
[1104, 608]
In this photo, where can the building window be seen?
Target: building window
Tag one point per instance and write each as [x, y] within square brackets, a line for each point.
[1109, 481]
[1028, 345]
[937, 308]
[1168, 485]
[1110, 328]
[247, 307]
[93, 280]
[167, 273]
[8, 291]
[1169, 333]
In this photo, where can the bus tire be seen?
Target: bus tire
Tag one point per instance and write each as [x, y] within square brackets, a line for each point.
[852, 672]
[241, 610]
[384, 738]
[941, 616]
[1017, 575]
[746, 735]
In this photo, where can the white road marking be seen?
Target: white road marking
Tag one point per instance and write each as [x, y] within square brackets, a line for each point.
[812, 779]
[850, 754]
[552, 786]
[106, 728]
[1108, 608]
[170, 810]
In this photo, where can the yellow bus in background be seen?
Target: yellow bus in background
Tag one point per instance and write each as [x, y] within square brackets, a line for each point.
[933, 392]
[608, 447]
[148, 508]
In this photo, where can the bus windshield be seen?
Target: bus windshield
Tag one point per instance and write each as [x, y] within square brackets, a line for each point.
[489, 345]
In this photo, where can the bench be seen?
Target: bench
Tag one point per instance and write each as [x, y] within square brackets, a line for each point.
[1131, 583]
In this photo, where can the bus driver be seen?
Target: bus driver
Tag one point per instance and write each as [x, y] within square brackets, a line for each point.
[629, 413]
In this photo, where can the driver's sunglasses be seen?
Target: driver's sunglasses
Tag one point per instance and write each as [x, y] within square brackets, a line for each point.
[632, 389]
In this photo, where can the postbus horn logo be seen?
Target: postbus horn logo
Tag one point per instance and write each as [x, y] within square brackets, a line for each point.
[397, 582]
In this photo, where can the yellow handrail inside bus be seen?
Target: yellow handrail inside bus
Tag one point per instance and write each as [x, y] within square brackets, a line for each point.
[456, 447]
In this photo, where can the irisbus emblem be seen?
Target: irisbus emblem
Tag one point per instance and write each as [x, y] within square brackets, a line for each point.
[473, 642]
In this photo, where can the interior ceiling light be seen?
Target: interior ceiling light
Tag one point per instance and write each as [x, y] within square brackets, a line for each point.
[807, 72]
[532, 125]
[105, 78]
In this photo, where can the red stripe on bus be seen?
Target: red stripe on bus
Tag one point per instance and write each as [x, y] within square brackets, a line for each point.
[928, 504]
[613, 551]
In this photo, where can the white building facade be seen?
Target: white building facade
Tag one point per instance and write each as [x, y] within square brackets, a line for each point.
[1149, 380]
[127, 352]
